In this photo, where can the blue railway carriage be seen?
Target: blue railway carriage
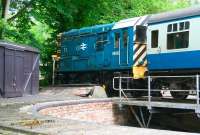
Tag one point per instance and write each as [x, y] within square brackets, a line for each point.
[174, 47]
[96, 53]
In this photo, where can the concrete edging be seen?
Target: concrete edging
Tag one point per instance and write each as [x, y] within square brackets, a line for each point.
[39, 106]
[20, 130]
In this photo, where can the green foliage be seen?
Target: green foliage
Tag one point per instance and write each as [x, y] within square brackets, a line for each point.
[120, 9]
[40, 21]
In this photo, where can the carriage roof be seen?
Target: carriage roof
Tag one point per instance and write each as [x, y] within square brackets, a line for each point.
[174, 15]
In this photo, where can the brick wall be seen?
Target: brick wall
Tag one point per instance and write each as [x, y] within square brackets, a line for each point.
[101, 112]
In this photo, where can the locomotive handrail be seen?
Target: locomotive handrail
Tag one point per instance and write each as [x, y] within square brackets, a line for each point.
[102, 41]
[123, 77]
[191, 76]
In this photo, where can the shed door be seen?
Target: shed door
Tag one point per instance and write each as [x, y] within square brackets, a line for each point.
[35, 74]
[13, 72]
[27, 71]
[31, 72]
[19, 71]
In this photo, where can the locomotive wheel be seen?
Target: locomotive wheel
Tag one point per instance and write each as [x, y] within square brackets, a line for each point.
[110, 91]
[156, 93]
[179, 95]
[176, 94]
[156, 85]
[136, 94]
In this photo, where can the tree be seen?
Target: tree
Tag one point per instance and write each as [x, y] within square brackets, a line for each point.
[5, 7]
[4, 14]
[38, 22]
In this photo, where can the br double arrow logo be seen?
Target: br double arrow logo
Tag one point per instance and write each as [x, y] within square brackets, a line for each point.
[83, 46]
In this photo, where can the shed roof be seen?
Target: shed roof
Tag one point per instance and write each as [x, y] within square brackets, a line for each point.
[173, 15]
[15, 46]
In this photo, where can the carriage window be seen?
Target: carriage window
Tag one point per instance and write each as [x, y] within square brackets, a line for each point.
[141, 34]
[154, 39]
[117, 40]
[187, 25]
[169, 28]
[184, 26]
[178, 40]
[181, 26]
[175, 27]
[125, 38]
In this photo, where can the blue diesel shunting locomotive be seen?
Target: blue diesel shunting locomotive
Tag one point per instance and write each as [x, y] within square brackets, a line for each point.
[101, 47]
[161, 44]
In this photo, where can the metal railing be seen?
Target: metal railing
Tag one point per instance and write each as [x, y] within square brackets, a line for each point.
[149, 79]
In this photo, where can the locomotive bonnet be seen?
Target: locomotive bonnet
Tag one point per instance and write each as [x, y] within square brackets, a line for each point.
[111, 47]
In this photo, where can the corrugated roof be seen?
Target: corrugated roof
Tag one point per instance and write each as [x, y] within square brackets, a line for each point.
[15, 46]
[173, 15]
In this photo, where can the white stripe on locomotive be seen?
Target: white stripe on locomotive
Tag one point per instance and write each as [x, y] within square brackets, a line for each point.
[138, 52]
[142, 57]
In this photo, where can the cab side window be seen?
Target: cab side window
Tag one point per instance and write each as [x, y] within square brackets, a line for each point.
[125, 38]
[141, 36]
[154, 38]
[117, 40]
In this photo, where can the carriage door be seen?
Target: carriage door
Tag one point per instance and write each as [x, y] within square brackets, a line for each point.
[123, 47]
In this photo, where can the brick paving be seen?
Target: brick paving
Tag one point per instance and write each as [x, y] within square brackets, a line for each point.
[16, 117]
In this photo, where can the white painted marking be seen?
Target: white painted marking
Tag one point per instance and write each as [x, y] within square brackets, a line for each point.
[115, 53]
[140, 59]
[138, 52]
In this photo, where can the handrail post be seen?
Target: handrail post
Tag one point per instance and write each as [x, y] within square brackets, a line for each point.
[197, 87]
[120, 88]
[114, 83]
[149, 92]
